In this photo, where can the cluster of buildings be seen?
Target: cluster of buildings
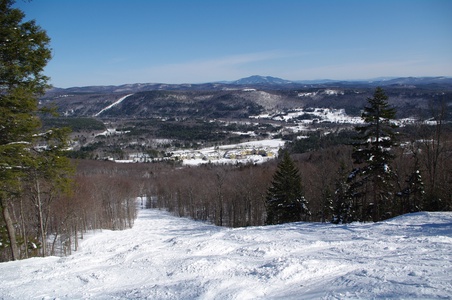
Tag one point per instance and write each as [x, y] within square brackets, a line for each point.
[250, 152]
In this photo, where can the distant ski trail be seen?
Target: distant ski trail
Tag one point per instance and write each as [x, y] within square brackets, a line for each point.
[113, 104]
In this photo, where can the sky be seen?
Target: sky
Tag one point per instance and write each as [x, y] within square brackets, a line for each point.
[113, 42]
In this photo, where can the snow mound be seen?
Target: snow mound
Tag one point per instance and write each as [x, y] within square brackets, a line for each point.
[164, 257]
[422, 218]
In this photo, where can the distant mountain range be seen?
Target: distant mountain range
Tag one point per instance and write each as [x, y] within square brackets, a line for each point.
[253, 95]
[256, 79]
[268, 80]
[261, 82]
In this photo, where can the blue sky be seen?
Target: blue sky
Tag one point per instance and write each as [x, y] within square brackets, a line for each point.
[111, 42]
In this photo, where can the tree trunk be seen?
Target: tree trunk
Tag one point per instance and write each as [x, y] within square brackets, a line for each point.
[24, 233]
[52, 251]
[39, 205]
[10, 228]
[76, 237]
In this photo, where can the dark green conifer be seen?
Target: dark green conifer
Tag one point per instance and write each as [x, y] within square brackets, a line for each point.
[412, 196]
[24, 52]
[285, 201]
[344, 210]
[371, 180]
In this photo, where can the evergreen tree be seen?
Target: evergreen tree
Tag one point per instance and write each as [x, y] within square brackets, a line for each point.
[24, 53]
[326, 205]
[371, 180]
[285, 201]
[412, 197]
[343, 206]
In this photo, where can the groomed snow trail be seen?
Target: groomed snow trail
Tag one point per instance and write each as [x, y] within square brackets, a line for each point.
[113, 104]
[164, 257]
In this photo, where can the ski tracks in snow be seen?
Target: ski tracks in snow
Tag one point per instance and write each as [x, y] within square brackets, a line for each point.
[164, 257]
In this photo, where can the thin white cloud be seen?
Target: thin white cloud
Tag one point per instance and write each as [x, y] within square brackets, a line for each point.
[287, 65]
[223, 68]
[195, 71]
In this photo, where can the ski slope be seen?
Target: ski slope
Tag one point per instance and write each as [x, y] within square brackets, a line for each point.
[113, 104]
[164, 257]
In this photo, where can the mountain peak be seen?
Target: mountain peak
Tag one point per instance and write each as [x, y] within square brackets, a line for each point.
[257, 79]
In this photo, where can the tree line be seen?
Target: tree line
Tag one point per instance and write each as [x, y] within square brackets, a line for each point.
[100, 195]
[380, 172]
[46, 203]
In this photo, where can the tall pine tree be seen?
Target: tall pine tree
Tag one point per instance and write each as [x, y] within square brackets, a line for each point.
[285, 201]
[24, 52]
[371, 180]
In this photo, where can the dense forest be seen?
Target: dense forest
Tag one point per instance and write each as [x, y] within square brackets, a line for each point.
[235, 195]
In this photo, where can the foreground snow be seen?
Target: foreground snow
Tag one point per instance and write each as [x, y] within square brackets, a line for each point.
[165, 257]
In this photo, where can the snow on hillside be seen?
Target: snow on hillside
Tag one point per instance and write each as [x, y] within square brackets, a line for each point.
[113, 104]
[312, 115]
[247, 152]
[164, 257]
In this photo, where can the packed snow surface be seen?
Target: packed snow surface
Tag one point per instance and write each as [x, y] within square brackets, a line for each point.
[165, 257]
[113, 104]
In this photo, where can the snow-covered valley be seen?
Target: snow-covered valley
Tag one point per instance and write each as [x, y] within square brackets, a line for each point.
[165, 257]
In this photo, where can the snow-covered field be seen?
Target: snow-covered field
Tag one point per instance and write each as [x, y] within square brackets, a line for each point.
[233, 153]
[164, 257]
[247, 152]
[316, 115]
